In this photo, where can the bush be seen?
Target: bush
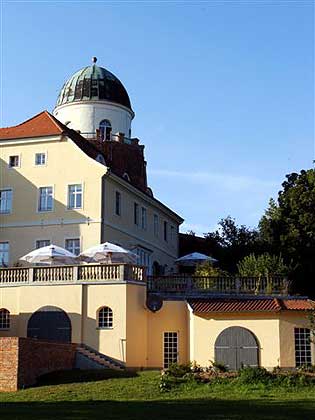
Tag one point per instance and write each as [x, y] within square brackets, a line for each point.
[178, 371]
[218, 367]
[254, 375]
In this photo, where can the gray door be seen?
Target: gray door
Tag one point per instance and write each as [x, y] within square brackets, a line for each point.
[236, 347]
[50, 323]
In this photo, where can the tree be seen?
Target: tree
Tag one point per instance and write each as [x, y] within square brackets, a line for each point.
[231, 243]
[288, 227]
[265, 265]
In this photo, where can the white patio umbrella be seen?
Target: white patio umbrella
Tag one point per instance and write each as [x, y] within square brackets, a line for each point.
[49, 255]
[194, 259]
[108, 253]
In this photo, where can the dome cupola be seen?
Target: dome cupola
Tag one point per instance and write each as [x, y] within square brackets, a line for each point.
[90, 97]
[93, 83]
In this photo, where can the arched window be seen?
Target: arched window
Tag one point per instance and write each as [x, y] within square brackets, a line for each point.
[126, 177]
[105, 130]
[4, 319]
[105, 317]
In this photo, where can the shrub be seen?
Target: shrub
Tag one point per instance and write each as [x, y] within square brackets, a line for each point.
[218, 367]
[254, 375]
[178, 371]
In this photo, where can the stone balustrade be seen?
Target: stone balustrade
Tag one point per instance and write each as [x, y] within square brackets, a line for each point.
[72, 274]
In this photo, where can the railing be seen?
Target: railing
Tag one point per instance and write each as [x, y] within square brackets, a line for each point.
[72, 274]
[195, 285]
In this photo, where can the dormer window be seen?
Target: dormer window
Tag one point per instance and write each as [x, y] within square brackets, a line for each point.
[105, 130]
[126, 177]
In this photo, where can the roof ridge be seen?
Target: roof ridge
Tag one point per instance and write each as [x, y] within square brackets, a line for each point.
[278, 303]
[57, 123]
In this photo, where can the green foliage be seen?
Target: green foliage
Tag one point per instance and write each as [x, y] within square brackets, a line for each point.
[218, 367]
[208, 270]
[177, 370]
[230, 243]
[265, 265]
[254, 375]
[288, 225]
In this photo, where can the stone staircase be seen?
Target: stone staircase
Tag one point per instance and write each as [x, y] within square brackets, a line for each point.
[89, 358]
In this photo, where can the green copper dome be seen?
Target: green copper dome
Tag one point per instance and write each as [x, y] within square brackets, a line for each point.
[93, 83]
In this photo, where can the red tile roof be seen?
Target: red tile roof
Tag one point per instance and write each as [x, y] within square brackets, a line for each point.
[41, 125]
[298, 304]
[249, 305]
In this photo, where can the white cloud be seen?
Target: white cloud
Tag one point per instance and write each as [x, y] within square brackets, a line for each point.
[198, 228]
[223, 180]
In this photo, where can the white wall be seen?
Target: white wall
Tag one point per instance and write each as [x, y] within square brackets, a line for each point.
[86, 116]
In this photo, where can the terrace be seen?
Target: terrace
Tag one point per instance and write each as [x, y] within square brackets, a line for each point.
[172, 285]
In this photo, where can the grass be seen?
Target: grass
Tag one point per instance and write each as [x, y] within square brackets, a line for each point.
[97, 395]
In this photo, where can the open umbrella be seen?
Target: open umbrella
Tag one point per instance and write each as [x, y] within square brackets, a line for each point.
[194, 259]
[108, 253]
[49, 255]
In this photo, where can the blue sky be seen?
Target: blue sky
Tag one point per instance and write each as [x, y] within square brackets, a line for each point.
[223, 91]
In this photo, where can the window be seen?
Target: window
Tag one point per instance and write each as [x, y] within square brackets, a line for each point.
[45, 199]
[14, 161]
[75, 196]
[143, 217]
[156, 225]
[170, 348]
[4, 319]
[5, 201]
[136, 213]
[105, 130]
[40, 159]
[105, 317]
[126, 177]
[144, 258]
[40, 243]
[172, 234]
[4, 254]
[73, 245]
[302, 337]
[118, 203]
[165, 231]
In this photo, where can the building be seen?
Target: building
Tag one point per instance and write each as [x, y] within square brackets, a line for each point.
[77, 178]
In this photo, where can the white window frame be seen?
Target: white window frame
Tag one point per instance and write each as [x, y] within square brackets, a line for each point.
[167, 361]
[109, 318]
[75, 207]
[40, 164]
[5, 321]
[156, 221]
[19, 161]
[302, 346]
[2, 260]
[165, 230]
[42, 240]
[144, 218]
[39, 196]
[11, 203]
[73, 239]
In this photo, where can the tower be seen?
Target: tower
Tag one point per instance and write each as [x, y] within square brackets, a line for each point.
[95, 103]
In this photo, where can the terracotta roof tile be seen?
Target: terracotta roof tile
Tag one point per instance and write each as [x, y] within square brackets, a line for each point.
[249, 305]
[41, 125]
[298, 304]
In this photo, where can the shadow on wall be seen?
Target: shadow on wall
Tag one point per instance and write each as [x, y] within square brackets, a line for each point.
[83, 330]
[25, 224]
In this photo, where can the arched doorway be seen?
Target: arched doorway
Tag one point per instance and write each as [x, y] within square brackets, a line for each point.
[236, 347]
[50, 323]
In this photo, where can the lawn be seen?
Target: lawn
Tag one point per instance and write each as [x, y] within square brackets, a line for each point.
[138, 397]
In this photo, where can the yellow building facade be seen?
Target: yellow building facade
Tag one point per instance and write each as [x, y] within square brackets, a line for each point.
[77, 178]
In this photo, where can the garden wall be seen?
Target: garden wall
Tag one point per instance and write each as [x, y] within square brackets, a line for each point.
[23, 360]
